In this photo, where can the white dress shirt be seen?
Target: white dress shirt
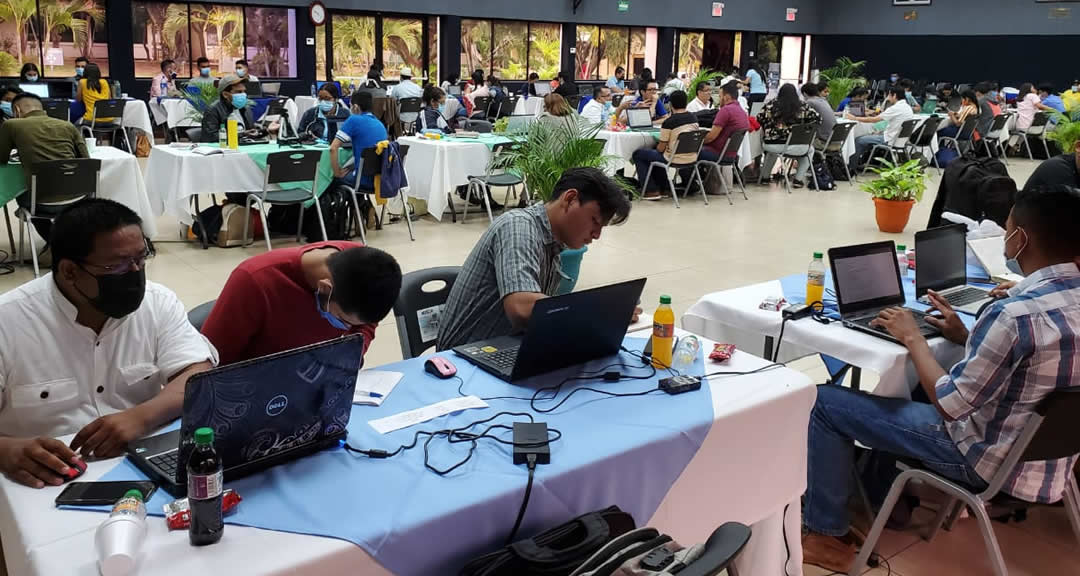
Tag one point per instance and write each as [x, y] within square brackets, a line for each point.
[593, 112]
[697, 105]
[896, 115]
[57, 376]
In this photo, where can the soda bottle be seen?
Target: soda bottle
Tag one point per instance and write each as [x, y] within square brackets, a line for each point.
[815, 280]
[663, 333]
[204, 490]
[119, 538]
[901, 258]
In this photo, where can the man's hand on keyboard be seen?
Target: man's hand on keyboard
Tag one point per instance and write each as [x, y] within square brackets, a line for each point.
[1001, 290]
[900, 323]
[952, 328]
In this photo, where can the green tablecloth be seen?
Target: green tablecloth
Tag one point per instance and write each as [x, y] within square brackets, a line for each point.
[259, 152]
[12, 182]
[489, 140]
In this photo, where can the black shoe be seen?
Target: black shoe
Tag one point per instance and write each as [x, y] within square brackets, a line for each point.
[797, 184]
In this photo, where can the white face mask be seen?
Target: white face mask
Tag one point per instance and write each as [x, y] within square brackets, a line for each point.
[1013, 264]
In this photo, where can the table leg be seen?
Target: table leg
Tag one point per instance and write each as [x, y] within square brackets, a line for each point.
[10, 235]
[768, 351]
[856, 378]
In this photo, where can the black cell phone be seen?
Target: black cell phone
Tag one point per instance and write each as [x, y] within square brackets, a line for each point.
[102, 493]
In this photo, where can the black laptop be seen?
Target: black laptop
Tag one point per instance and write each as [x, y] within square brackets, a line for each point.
[562, 331]
[254, 89]
[867, 280]
[942, 267]
[264, 412]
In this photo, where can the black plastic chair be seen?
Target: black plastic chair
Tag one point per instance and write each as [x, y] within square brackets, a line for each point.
[290, 166]
[834, 146]
[1052, 433]
[688, 142]
[112, 108]
[481, 107]
[899, 144]
[966, 135]
[372, 167]
[923, 139]
[992, 139]
[197, 316]
[481, 126]
[800, 144]
[53, 186]
[408, 112]
[481, 185]
[734, 142]
[1039, 125]
[417, 311]
[58, 108]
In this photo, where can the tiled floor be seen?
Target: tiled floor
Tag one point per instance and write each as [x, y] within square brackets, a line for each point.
[686, 253]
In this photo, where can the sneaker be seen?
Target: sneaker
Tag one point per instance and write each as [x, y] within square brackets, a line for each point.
[797, 184]
[652, 195]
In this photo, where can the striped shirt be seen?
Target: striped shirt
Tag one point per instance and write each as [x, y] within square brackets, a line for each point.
[518, 253]
[1020, 350]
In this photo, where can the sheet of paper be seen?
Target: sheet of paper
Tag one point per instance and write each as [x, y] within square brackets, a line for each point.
[413, 417]
[373, 386]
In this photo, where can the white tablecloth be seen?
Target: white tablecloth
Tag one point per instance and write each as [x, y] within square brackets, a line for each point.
[136, 116]
[179, 113]
[534, 106]
[436, 167]
[749, 482]
[122, 180]
[864, 128]
[624, 144]
[733, 316]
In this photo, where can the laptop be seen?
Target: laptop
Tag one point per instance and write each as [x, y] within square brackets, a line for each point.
[562, 331]
[639, 119]
[264, 412]
[254, 89]
[867, 280]
[519, 123]
[39, 90]
[541, 88]
[273, 88]
[857, 108]
[942, 267]
[990, 252]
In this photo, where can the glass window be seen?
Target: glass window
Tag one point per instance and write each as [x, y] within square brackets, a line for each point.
[768, 50]
[475, 46]
[353, 39]
[159, 31]
[587, 59]
[320, 52]
[691, 45]
[639, 52]
[402, 42]
[616, 48]
[545, 49]
[433, 50]
[217, 32]
[69, 30]
[19, 40]
[270, 41]
[509, 59]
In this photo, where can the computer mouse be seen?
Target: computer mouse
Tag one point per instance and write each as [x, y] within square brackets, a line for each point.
[440, 367]
[75, 470]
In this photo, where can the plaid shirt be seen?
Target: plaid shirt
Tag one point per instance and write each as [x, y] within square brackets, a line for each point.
[1020, 350]
[518, 253]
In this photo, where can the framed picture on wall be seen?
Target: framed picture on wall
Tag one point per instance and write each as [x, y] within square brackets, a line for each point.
[911, 2]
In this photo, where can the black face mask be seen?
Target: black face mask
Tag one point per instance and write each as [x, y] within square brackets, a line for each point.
[119, 294]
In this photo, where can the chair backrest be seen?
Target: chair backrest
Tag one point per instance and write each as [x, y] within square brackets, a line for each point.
[194, 134]
[924, 135]
[967, 130]
[690, 142]
[59, 181]
[481, 126]
[372, 161]
[802, 135]
[1039, 122]
[734, 142]
[57, 108]
[481, 105]
[409, 106]
[839, 136]
[998, 125]
[112, 108]
[616, 100]
[197, 316]
[906, 130]
[293, 166]
[574, 100]
[417, 311]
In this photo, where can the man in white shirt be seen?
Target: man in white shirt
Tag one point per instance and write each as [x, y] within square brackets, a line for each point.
[406, 88]
[598, 109]
[898, 112]
[91, 348]
[702, 100]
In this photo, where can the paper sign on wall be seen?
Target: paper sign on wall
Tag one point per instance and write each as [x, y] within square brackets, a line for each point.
[717, 9]
[791, 12]
[54, 57]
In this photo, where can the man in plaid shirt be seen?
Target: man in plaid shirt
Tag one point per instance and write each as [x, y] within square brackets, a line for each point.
[1022, 347]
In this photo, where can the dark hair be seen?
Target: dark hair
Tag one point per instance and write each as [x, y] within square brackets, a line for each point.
[982, 88]
[363, 100]
[165, 63]
[672, 76]
[703, 86]
[330, 88]
[858, 91]
[787, 105]
[619, 69]
[92, 75]
[755, 66]
[478, 77]
[1046, 87]
[946, 86]
[432, 95]
[12, 88]
[970, 96]
[731, 89]
[366, 282]
[899, 92]
[597, 90]
[822, 86]
[1025, 89]
[565, 76]
[241, 61]
[78, 226]
[593, 185]
[678, 99]
[534, 76]
[201, 60]
[453, 77]
[905, 83]
[810, 89]
[81, 59]
[19, 96]
[646, 75]
[1051, 211]
[26, 68]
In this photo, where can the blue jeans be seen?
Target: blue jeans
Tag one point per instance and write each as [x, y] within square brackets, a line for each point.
[642, 158]
[891, 425]
[863, 144]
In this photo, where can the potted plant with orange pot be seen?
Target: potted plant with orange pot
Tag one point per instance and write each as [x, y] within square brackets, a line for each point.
[896, 189]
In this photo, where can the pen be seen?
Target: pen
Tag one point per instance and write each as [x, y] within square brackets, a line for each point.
[371, 394]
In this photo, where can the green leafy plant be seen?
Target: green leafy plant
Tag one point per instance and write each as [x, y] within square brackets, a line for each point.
[501, 125]
[547, 149]
[206, 97]
[843, 77]
[704, 75]
[1066, 131]
[900, 182]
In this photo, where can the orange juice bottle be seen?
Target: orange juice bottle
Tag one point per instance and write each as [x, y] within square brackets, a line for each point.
[663, 333]
[232, 129]
[815, 280]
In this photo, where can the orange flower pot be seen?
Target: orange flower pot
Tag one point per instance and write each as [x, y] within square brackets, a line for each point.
[892, 215]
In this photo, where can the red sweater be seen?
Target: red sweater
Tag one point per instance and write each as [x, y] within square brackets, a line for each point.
[267, 307]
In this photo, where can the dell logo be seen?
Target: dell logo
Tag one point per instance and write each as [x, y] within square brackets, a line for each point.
[276, 405]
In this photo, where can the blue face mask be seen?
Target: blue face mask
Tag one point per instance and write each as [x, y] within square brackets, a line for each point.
[31, 77]
[893, 79]
[442, 108]
[1012, 263]
[240, 72]
[239, 100]
[326, 106]
[205, 72]
[993, 95]
[79, 71]
[333, 320]
[5, 107]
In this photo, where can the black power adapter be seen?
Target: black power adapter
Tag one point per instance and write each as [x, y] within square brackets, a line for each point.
[531, 438]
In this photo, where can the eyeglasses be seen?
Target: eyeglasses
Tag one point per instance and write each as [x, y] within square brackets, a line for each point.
[126, 266]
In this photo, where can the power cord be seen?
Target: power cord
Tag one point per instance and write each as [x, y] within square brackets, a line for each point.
[525, 501]
[6, 266]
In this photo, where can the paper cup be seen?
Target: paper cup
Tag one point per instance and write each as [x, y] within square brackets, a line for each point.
[91, 144]
[118, 541]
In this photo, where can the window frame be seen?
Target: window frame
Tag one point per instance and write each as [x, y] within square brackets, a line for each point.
[628, 65]
[528, 45]
[40, 42]
[425, 38]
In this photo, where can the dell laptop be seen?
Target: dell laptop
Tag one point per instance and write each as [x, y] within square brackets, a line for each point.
[562, 331]
[639, 119]
[264, 412]
[942, 267]
[867, 280]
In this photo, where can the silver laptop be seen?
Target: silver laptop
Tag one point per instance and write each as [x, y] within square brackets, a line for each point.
[639, 119]
[542, 88]
[941, 257]
[519, 123]
[271, 88]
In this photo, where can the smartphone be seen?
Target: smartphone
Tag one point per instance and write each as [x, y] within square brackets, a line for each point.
[102, 493]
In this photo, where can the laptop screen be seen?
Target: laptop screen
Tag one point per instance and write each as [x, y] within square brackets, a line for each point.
[542, 88]
[639, 118]
[866, 276]
[40, 90]
[942, 258]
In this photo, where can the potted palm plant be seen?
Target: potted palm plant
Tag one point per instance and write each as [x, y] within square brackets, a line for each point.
[896, 189]
[843, 77]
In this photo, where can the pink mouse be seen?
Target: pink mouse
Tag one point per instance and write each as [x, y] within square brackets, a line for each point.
[440, 367]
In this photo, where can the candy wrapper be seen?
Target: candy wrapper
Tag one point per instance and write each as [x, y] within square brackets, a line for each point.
[722, 352]
[178, 513]
[773, 303]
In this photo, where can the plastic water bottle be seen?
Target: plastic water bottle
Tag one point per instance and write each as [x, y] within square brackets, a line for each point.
[663, 333]
[901, 258]
[314, 92]
[205, 488]
[686, 352]
[222, 137]
[815, 280]
[119, 538]
[164, 88]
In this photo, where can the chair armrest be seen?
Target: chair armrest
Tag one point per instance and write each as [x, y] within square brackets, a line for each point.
[721, 549]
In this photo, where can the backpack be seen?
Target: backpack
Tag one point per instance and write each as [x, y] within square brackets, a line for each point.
[231, 230]
[979, 188]
[648, 552]
[337, 214]
[210, 218]
[836, 168]
[824, 177]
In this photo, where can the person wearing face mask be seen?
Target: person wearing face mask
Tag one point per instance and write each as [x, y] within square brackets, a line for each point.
[909, 96]
[293, 297]
[80, 71]
[599, 110]
[362, 130]
[164, 84]
[1020, 350]
[7, 96]
[232, 104]
[203, 66]
[243, 71]
[322, 120]
[29, 73]
[433, 115]
[893, 79]
[91, 349]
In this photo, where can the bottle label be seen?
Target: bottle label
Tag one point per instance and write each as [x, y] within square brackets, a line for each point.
[204, 487]
[815, 278]
[663, 330]
[127, 507]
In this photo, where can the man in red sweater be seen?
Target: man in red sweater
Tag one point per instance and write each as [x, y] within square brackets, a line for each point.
[293, 297]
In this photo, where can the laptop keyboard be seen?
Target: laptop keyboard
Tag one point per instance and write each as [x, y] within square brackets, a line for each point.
[966, 296]
[166, 463]
[503, 359]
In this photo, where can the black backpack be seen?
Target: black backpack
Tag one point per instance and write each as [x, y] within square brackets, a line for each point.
[836, 168]
[979, 188]
[823, 176]
[337, 212]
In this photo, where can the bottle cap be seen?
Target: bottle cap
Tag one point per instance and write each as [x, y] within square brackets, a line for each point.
[665, 299]
[133, 493]
[204, 436]
[817, 255]
[900, 247]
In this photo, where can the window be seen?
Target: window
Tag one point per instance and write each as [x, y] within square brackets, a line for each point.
[270, 41]
[691, 46]
[217, 32]
[353, 42]
[640, 55]
[545, 49]
[159, 31]
[588, 52]
[475, 46]
[510, 50]
[768, 50]
[615, 48]
[600, 50]
[320, 52]
[52, 34]
[433, 49]
[403, 45]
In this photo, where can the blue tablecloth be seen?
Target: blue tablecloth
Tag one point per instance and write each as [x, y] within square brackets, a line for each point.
[624, 451]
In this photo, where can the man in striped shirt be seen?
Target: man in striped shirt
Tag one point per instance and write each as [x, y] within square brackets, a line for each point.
[1021, 348]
